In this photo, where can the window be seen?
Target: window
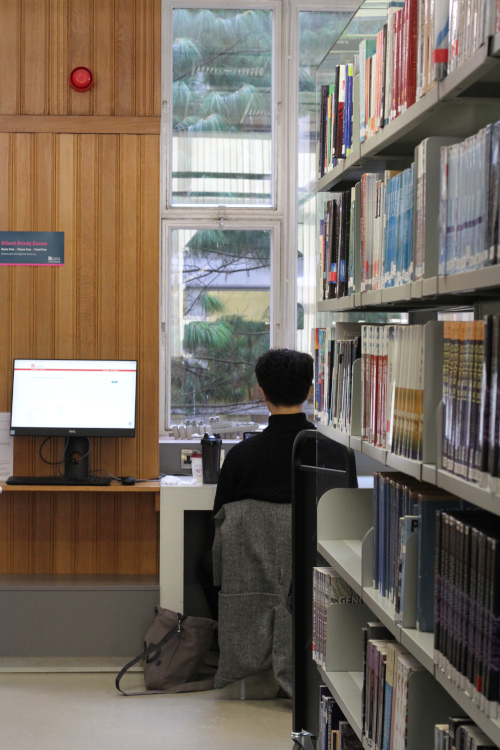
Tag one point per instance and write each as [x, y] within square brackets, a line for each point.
[219, 321]
[222, 123]
[239, 210]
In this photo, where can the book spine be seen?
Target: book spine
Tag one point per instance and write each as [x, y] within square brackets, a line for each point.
[484, 412]
[362, 91]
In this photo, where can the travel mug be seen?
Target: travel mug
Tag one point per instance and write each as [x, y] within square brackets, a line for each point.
[210, 448]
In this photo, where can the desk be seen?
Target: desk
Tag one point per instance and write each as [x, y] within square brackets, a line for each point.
[174, 501]
[149, 486]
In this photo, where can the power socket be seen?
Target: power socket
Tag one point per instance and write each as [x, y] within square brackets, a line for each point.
[186, 454]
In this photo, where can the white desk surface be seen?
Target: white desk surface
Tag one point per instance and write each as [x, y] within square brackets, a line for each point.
[174, 500]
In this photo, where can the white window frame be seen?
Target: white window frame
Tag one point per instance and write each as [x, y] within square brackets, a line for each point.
[168, 6]
[276, 291]
[281, 217]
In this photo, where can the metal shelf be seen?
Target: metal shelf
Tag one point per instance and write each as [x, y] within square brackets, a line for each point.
[383, 609]
[337, 305]
[345, 557]
[470, 281]
[460, 105]
[346, 688]
[339, 437]
[491, 727]
[479, 496]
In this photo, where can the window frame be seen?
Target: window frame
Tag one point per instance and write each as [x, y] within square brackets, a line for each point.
[168, 7]
[276, 334]
[281, 217]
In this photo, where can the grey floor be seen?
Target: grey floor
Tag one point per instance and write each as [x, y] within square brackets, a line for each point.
[61, 711]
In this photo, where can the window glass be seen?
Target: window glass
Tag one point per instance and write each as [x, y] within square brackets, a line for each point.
[222, 107]
[219, 322]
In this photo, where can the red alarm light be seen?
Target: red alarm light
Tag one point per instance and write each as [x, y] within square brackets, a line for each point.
[81, 79]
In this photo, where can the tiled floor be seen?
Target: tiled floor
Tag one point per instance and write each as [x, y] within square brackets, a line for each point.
[61, 711]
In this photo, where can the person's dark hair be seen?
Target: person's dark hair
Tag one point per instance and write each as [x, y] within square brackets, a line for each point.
[285, 376]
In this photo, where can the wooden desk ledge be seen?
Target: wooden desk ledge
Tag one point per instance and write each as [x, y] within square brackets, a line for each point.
[141, 487]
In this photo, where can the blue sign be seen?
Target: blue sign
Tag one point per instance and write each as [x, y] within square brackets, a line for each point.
[32, 248]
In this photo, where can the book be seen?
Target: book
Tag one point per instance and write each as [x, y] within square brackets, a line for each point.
[347, 738]
[372, 631]
[467, 215]
[328, 589]
[475, 396]
[471, 737]
[406, 585]
[441, 737]
[454, 724]
[376, 655]
[393, 651]
[484, 411]
[441, 29]
[427, 204]
[428, 503]
[494, 405]
[406, 665]
[323, 694]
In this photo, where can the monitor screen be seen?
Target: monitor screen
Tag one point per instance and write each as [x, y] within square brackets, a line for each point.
[70, 397]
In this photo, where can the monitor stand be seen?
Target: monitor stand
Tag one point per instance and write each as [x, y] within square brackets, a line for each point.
[76, 458]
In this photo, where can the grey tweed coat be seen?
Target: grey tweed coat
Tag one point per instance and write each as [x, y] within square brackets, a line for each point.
[252, 555]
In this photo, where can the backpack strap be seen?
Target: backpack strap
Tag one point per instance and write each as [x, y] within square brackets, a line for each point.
[154, 649]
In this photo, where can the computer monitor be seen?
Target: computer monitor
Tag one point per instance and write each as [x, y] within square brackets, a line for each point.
[74, 398]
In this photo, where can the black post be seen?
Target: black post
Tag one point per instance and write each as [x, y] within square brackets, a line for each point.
[318, 465]
[305, 674]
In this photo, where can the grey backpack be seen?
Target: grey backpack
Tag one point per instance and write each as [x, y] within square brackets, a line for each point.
[175, 647]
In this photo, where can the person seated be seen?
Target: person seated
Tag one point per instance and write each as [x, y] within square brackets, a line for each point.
[260, 468]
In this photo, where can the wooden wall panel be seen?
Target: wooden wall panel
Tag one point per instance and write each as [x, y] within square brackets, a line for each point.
[125, 38]
[86, 247]
[85, 535]
[64, 522]
[35, 57]
[65, 315]
[80, 52]
[108, 265]
[58, 57]
[5, 275]
[43, 220]
[5, 533]
[128, 526]
[22, 278]
[102, 191]
[10, 56]
[21, 520]
[148, 296]
[148, 51]
[70, 533]
[43, 534]
[104, 58]
[130, 278]
[106, 542]
[43, 40]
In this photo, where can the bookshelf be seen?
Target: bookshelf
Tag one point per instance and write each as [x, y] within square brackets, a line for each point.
[460, 105]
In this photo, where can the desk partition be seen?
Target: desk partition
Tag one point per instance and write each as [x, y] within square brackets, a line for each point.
[175, 500]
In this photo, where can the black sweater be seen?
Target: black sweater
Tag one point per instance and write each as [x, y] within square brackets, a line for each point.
[260, 468]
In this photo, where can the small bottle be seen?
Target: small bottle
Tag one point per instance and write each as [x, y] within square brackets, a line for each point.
[197, 467]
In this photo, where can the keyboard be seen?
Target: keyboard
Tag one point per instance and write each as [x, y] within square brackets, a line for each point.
[88, 481]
